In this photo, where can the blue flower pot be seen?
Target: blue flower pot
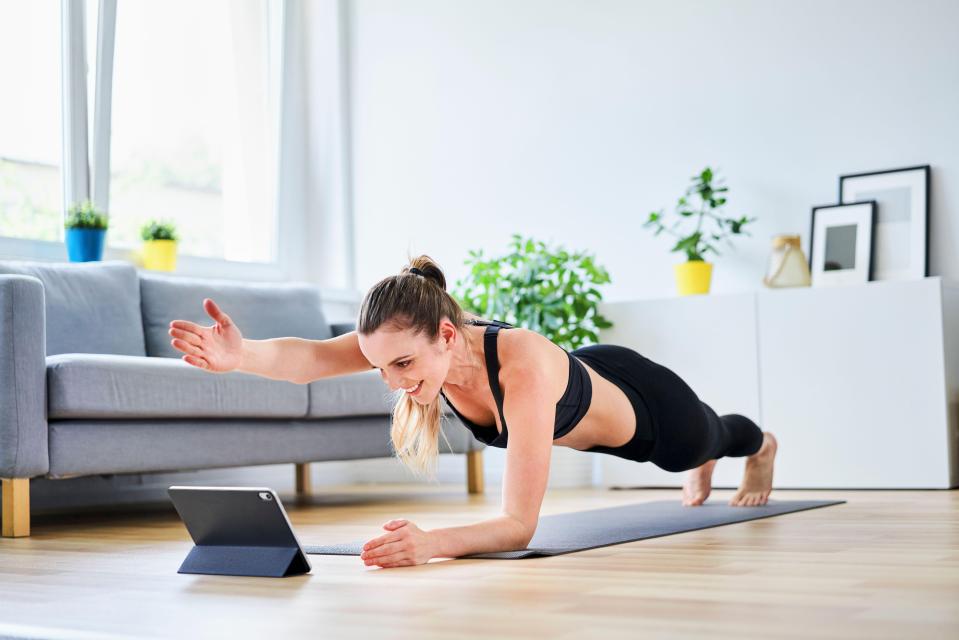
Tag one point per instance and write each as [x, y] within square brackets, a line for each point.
[85, 245]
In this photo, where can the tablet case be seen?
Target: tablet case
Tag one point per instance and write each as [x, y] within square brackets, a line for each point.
[238, 531]
[224, 560]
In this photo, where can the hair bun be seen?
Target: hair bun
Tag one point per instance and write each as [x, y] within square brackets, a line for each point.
[426, 267]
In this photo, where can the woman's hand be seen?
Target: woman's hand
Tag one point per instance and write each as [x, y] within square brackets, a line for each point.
[218, 348]
[404, 545]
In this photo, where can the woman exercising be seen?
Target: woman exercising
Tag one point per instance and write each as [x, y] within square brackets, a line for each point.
[512, 388]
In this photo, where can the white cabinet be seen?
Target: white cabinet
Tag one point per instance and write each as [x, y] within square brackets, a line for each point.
[860, 383]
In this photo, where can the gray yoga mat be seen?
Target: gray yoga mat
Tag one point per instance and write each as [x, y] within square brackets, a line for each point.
[581, 530]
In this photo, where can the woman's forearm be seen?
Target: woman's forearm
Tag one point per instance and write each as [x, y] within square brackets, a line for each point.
[497, 534]
[278, 358]
[300, 360]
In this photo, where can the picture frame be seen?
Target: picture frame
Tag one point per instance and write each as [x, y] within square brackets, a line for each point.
[841, 243]
[901, 244]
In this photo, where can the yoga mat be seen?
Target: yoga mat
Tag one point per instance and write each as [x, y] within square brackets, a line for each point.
[581, 530]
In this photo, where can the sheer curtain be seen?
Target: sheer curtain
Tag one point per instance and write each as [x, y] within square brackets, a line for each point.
[194, 130]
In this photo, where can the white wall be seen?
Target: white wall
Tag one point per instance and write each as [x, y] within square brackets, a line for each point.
[571, 120]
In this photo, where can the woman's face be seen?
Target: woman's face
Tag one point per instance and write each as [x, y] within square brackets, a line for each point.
[406, 361]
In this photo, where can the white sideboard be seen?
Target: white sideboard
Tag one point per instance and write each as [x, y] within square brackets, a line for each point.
[860, 384]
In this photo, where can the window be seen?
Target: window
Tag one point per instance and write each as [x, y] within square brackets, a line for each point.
[30, 133]
[193, 125]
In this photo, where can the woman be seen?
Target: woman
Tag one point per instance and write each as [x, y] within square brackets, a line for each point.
[512, 388]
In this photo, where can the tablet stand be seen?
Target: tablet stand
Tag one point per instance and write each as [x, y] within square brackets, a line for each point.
[224, 560]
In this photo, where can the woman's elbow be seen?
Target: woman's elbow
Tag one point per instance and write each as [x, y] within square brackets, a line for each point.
[524, 533]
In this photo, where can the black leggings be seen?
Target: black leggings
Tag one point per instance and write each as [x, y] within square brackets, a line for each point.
[675, 430]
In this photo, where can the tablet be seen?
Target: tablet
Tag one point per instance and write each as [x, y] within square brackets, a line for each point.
[239, 531]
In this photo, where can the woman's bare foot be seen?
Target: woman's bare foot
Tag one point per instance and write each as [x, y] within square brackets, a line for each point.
[699, 482]
[758, 478]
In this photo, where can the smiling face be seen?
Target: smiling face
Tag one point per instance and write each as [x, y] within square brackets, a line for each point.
[407, 361]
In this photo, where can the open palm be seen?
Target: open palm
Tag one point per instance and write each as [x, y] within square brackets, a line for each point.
[217, 348]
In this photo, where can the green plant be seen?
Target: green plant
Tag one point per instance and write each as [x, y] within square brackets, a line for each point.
[84, 215]
[711, 200]
[158, 230]
[551, 291]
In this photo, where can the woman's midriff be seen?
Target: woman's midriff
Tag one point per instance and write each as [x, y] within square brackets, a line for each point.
[610, 420]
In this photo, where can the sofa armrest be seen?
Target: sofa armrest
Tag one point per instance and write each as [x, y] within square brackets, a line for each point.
[23, 378]
[339, 328]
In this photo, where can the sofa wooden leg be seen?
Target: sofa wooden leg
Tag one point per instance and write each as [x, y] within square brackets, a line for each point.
[303, 485]
[474, 471]
[16, 507]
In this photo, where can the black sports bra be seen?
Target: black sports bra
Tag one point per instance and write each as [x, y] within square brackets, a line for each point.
[569, 410]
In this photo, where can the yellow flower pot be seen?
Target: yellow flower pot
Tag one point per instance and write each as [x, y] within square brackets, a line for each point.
[159, 255]
[693, 277]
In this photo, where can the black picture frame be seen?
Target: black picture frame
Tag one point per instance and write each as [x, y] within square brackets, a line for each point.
[925, 214]
[816, 280]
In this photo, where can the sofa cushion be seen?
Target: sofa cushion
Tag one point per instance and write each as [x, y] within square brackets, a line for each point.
[260, 310]
[81, 385]
[91, 307]
[355, 394]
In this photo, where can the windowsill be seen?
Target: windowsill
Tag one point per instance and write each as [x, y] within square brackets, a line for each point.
[188, 266]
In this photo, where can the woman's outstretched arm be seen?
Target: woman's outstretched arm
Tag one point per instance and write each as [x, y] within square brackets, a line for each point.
[221, 347]
[301, 361]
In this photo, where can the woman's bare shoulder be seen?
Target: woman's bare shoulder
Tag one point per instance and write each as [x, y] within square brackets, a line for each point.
[524, 353]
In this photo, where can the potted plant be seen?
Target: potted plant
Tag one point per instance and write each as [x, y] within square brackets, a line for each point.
[694, 275]
[159, 246]
[550, 291]
[86, 228]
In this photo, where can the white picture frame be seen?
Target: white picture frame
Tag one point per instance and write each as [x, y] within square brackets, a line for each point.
[841, 243]
[901, 244]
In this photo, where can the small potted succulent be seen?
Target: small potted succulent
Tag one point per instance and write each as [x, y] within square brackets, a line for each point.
[86, 228]
[700, 206]
[159, 245]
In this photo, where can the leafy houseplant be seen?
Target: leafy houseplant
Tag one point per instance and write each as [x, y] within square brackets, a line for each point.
[159, 246]
[551, 291]
[701, 204]
[86, 228]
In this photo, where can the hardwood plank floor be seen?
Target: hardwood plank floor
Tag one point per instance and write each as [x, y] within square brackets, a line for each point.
[884, 565]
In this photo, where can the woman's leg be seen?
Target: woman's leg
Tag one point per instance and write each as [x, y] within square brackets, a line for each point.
[690, 432]
[692, 437]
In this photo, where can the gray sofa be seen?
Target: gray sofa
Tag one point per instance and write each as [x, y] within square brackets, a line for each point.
[90, 384]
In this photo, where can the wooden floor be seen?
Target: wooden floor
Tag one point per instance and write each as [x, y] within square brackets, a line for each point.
[884, 565]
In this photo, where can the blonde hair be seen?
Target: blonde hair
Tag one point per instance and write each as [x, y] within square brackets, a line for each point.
[413, 301]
